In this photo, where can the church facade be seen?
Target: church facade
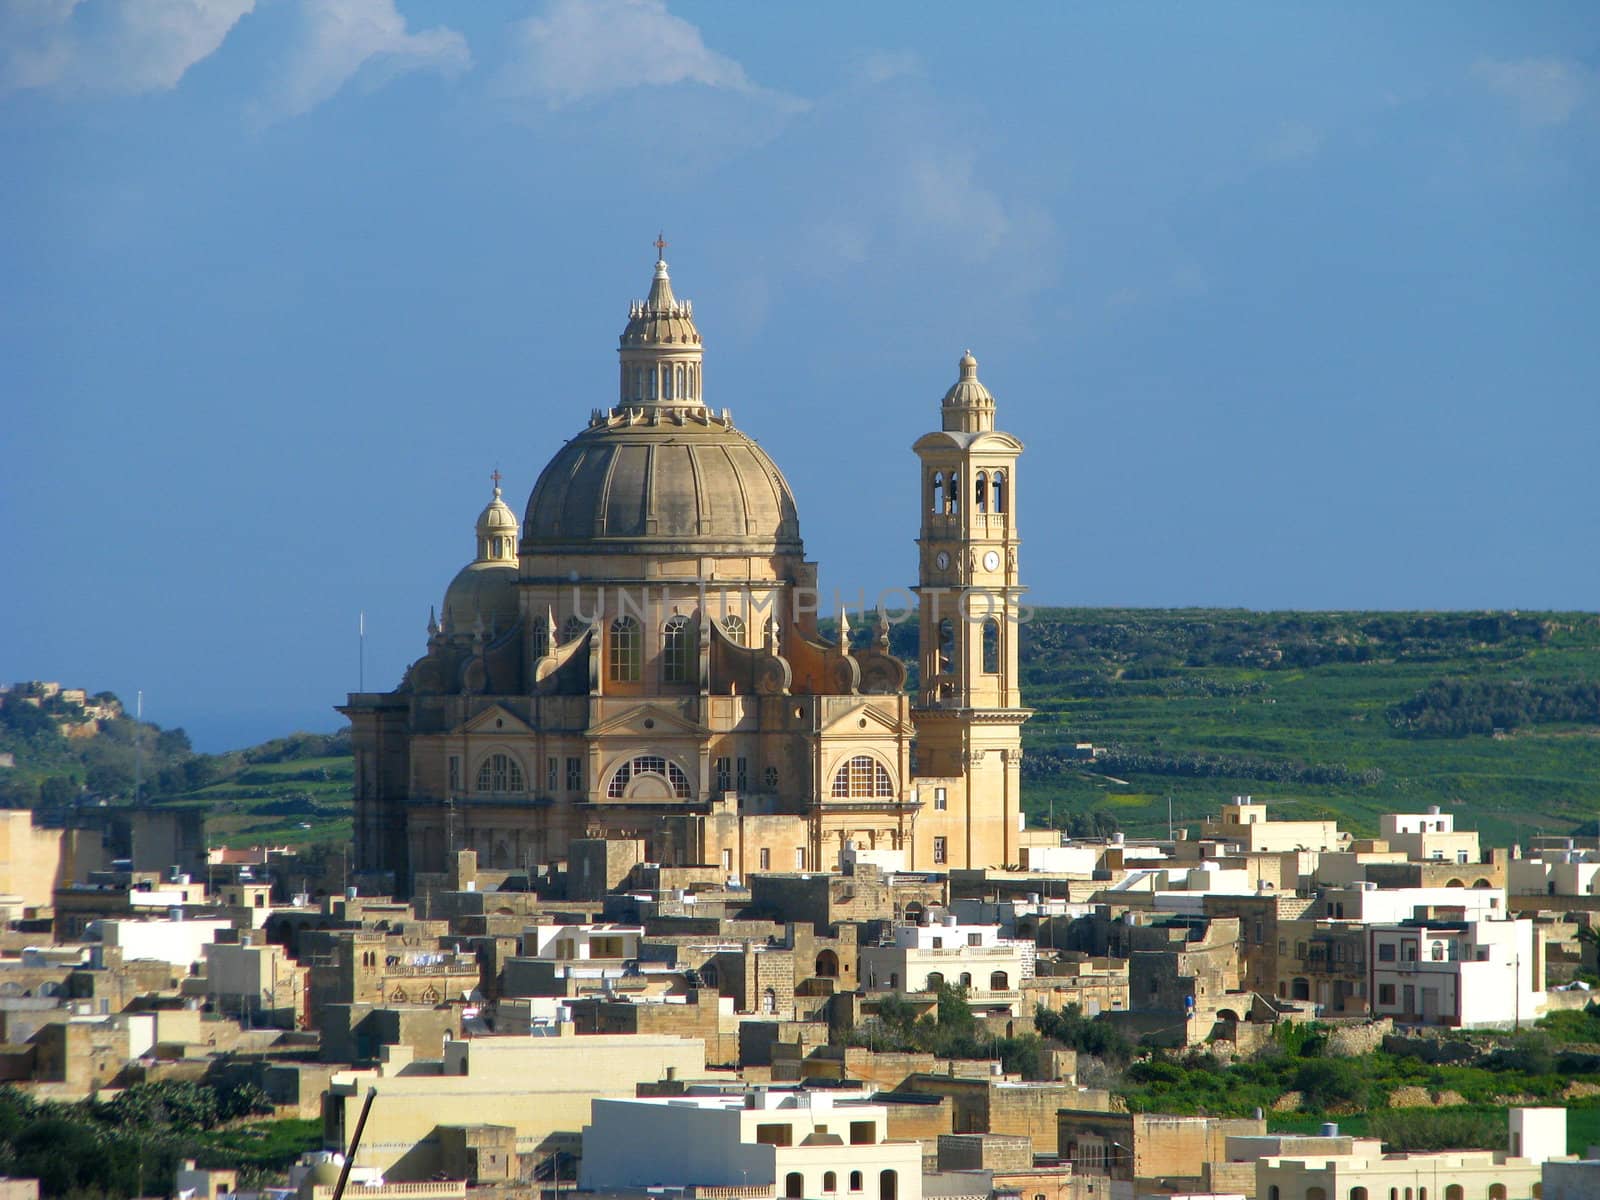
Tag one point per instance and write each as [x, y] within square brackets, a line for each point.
[640, 658]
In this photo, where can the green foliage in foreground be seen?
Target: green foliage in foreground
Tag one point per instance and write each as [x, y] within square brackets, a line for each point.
[131, 1145]
[1535, 1066]
[1470, 1127]
[950, 1032]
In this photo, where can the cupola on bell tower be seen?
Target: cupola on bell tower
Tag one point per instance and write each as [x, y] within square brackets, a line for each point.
[969, 712]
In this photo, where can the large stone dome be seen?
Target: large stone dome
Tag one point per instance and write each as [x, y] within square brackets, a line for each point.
[654, 480]
[660, 472]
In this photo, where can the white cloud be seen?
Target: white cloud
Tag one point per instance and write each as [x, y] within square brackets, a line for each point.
[124, 46]
[941, 195]
[578, 49]
[1292, 142]
[1545, 91]
[340, 37]
[881, 66]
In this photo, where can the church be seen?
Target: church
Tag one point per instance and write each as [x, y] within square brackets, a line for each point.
[640, 658]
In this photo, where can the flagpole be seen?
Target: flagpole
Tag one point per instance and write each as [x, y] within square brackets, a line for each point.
[361, 635]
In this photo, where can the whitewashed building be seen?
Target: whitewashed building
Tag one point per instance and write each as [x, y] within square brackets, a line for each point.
[1464, 974]
[792, 1144]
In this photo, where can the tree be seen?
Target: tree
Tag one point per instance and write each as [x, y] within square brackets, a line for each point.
[57, 791]
[1327, 1083]
[173, 743]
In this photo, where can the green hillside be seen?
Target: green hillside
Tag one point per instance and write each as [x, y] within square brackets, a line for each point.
[1495, 717]
[291, 790]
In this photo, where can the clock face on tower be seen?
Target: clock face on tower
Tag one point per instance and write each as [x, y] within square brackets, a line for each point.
[991, 561]
[942, 560]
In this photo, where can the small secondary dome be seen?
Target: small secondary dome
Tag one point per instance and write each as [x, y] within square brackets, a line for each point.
[486, 588]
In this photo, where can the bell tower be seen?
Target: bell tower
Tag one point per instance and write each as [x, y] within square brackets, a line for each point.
[969, 712]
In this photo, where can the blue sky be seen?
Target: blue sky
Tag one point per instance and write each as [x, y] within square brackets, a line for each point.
[1293, 305]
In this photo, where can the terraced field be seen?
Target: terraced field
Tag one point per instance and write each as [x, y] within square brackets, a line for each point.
[1317, 713]
[285, 803]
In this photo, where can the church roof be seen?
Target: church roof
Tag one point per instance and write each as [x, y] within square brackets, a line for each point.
[662, 480]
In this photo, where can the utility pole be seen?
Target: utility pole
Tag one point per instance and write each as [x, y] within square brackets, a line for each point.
[1516, 991]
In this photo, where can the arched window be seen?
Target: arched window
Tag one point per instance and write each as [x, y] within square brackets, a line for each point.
[769, 1001]
[572, 629]
[827, 965]
[855, 1181]
[991, 647]
[830, 1182]
[1273, 1193]
[999, 981]
[997, 491]
[1437, 953]
[624, 650]
[888, 1185]
[794, 1185]
[678, 386]
[677, 651]
[952, 497]
[500, 773]
[935, 981]
[649, 764]
[947, 645]
[1497, 1191]
[1452, 1191]
[936, 493]
[863, 775]
[1358, 1193]
[638, 383]
[980, 493]
[966, 979]
[541, 637]
[733, 626]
